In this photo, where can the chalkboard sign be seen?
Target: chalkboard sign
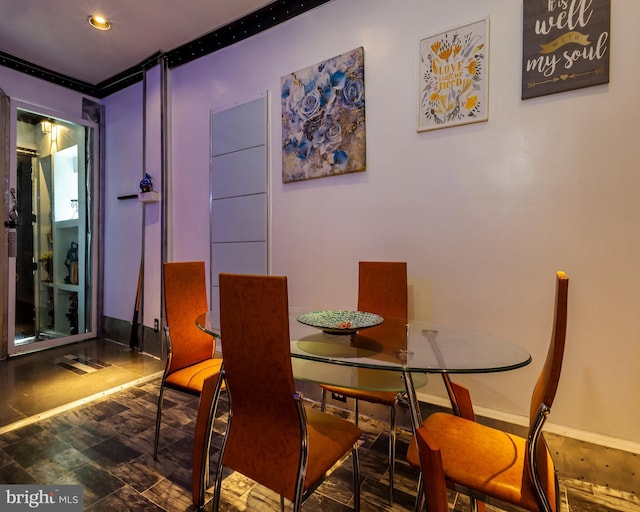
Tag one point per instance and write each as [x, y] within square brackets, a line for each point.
[565, 45]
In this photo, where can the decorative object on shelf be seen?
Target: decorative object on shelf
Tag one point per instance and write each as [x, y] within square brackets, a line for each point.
[340, 321]
[454, 77]
[145, 184]
[74, 208]
[47, 264]
[323, 119]
[565, 45]
[72, 315]
[72, 264]
[13, 213]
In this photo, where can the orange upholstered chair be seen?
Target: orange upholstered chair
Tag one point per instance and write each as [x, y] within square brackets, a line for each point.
[486, 462]
[382, 289]
[271, 437]
[190, 351]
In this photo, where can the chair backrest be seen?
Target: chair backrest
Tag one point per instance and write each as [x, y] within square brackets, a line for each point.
[265, 433]
[185, 297]
[435, 488]
[462, 398]
[547, 384]
[539, 465]
[382, 288]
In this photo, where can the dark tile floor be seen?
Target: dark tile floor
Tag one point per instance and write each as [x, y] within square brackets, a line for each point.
[106, 444]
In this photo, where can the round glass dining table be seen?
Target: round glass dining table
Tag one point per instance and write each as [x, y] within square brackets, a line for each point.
[392, 356]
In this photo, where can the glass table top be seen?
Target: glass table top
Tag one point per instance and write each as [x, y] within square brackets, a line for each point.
[417, 347]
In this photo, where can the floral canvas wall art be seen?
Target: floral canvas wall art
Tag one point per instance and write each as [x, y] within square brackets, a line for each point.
[454, 77]
[323, 119]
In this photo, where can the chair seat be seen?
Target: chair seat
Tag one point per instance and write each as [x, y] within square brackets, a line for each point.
[483, 459]
[330, 437]
[376, 397]
[460, 397]
[191, 378]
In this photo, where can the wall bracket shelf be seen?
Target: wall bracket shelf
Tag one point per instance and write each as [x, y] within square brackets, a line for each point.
[149, 197]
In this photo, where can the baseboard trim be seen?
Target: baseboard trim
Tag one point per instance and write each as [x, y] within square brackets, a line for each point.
[523, 421]
[119, 331]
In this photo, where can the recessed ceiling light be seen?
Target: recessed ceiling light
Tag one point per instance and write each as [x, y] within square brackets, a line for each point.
[99, 22]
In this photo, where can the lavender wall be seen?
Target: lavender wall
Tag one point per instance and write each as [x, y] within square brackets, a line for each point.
[123, 218]
[25, 88]
[484, 214]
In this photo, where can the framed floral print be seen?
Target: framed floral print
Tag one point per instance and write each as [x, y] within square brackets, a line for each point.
[323, 119]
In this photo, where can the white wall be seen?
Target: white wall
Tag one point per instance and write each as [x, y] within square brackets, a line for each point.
[484, 214]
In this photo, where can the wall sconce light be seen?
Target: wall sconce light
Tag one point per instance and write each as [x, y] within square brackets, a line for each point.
[46, 126]
[54, 133]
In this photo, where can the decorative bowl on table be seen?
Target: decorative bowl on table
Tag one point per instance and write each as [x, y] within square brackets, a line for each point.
[340, 321]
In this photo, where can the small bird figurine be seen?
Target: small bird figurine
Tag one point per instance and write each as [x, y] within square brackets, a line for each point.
[145, 184]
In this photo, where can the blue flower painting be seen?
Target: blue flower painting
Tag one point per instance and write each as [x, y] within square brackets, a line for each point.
[323, 121]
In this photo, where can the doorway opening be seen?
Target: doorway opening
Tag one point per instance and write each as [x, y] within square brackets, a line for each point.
[51, 230]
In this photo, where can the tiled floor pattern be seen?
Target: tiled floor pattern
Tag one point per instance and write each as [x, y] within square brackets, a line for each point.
[80, 364]
[106, 446]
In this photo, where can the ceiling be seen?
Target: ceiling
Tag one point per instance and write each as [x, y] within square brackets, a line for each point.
[52, 39]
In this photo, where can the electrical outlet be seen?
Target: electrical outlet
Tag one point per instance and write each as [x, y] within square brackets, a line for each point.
[339, 397]
[156, 325]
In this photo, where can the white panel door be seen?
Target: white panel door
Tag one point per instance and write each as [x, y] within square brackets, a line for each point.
[239, 173]
[239, 191]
